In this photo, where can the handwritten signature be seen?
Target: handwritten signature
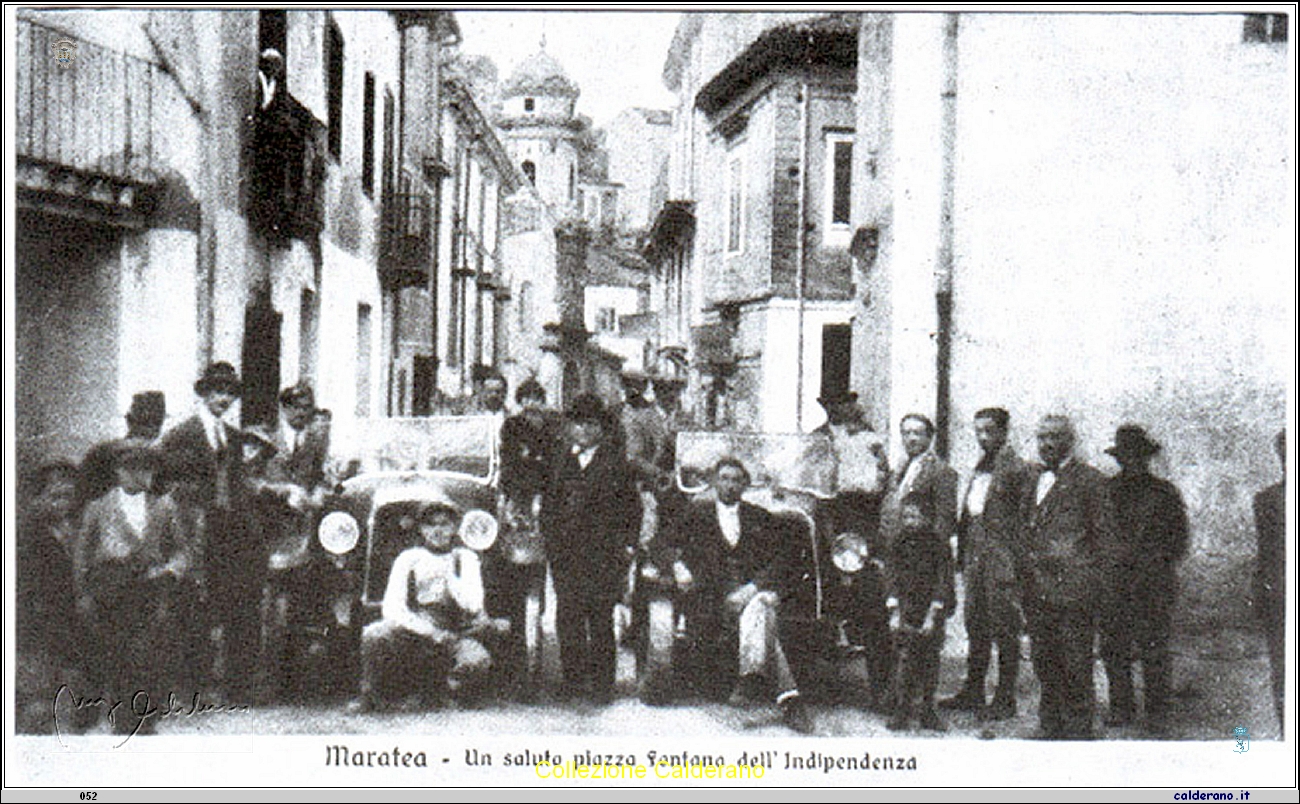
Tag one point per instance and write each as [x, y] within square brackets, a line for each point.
[136, 711]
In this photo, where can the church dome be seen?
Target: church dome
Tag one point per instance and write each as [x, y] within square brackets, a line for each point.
[539, 74]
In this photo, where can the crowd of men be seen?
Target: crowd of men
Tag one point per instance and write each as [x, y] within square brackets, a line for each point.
[131, 563]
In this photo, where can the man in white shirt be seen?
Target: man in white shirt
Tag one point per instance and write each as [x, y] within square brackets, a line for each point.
[730, 579]
[433, 620]
[204, 469]
[1069, 533]
[988, 526]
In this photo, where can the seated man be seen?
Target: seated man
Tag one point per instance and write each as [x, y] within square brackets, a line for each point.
[430, 640]
[727, 574]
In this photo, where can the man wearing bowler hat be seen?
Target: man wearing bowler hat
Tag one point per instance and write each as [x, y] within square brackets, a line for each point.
[144, 422]
[590, 516]
[1151, 539]
[204, 464]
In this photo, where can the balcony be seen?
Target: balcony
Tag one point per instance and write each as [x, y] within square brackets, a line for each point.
[404, 240]
[84, 135]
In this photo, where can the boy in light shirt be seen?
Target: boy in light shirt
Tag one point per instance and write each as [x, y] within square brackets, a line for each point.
[433, 622]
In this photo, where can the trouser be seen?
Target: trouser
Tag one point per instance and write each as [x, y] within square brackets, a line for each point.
[916, 677]
[235, 572]
[134, 656]
[397, 662]
[759, 639]
[992, 618]
[515, 583]
[1138, 623]
[866, 623]
[584, 623]
[1275, 636]
[727, 644]
[1063, 656]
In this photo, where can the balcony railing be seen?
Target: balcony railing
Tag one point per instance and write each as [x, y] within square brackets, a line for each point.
[404, 242]
[93, 115]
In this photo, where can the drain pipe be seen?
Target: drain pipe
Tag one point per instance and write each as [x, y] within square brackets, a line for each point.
[943, 275]
[801, 251]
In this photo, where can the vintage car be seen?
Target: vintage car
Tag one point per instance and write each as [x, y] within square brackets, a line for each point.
[827, 580]
[398, 468]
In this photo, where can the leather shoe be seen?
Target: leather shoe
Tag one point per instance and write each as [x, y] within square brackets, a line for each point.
[929, 719]
[999, 710]
[1119, 717]
[796, 715]
[964, 701]
[361, 705]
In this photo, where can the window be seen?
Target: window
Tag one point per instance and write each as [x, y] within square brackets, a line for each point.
[528, 104]
[607, 209]
[837, 352]
[530, 171]
[525, 305]
[423, 381]
[735, 207]
[390, 145]
[334, 88]
[839, 181]
[607, 320]
[308, 334]
[1264, 28]
[368, 137]
[364, 335]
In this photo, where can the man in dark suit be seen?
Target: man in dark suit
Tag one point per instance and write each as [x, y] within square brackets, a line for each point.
[929, 483]
[918, 573]
[291, 491]
[924, 474]
[1270, 577]
[1069, 533]
[728, 573]
[203, 460]
[590, 517]
[1143, 582]
[144, 422]
[987, 530]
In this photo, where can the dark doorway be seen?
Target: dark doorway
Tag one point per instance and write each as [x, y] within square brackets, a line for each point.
[837, 355]
[424, 372]
[261, 361]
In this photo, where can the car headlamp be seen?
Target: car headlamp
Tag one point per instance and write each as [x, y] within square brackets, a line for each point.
[478, 530]
[338, 532]
[849, 553]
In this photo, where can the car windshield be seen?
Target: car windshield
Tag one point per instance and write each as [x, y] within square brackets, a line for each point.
[464, 444]
[795, 461]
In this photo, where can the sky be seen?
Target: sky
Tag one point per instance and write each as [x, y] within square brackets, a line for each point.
[617, 58]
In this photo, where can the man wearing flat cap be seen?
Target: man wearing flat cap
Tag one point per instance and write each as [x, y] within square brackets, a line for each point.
[1150, 540]
[204, 463]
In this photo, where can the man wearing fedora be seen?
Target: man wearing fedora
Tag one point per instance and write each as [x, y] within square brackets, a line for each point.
[204, 464]
[590, 516]
[1143, 577]
[144, 422]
